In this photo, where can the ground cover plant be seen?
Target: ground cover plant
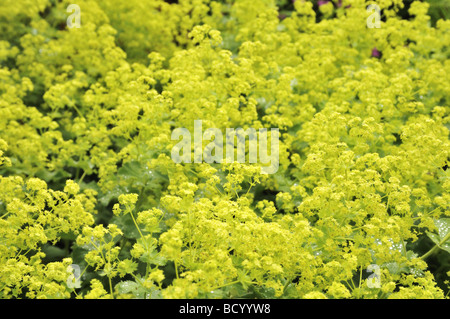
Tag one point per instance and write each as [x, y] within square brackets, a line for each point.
[92, 205]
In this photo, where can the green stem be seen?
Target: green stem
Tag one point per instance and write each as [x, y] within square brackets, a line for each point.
[78, 111]
[427, 214]
[81, 178]
[432, 250]
[176, 268]
[360, 280]
[82, 273]
[3, 216]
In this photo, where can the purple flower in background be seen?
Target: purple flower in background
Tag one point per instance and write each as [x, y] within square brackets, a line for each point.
[376, 53]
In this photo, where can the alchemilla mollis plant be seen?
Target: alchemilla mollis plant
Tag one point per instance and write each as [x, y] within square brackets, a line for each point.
[93, 204]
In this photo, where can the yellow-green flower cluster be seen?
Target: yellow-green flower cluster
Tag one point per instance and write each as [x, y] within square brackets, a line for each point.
[33, 215]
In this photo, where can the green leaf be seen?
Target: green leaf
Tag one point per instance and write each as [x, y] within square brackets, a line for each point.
[53, 253]
[137, 290]
[125, 287]
[215, 294]
[105, 198]
[135, 173]
[445, 246]
[443, 227]
[52, 176]
[290, 291]
[154, 293]
[153, 258]
[396, 268]
[393, 268]
[263, 292]
[133, 176]
[411, 255]
[126, 266]
[237, 291]
[78, 254]
[435, 238]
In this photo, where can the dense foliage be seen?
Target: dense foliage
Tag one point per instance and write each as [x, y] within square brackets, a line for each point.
[86, 177]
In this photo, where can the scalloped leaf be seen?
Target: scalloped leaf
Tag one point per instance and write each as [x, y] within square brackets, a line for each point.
[443, 227]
